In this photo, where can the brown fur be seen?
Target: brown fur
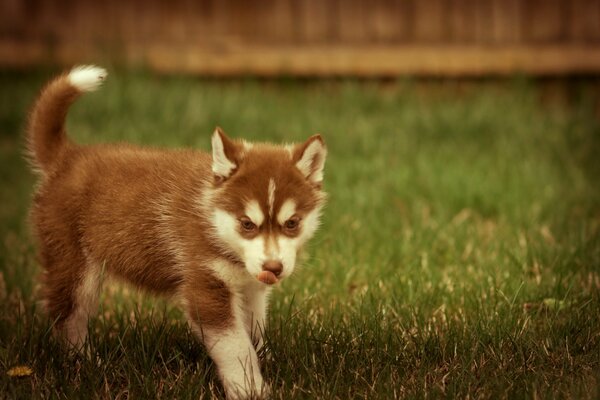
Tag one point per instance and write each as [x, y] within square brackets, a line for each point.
[116, 206]
[172, 222]
[46, 133]
[138, 212]
[251, 180]
[124, 207]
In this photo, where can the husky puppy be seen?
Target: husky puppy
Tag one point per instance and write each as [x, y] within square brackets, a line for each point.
[214, 231]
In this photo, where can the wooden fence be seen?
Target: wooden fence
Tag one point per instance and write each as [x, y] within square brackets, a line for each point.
[308, 37]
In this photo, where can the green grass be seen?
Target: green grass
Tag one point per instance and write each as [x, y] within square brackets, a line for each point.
[459, 254]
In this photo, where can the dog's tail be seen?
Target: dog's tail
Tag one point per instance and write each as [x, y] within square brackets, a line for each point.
[46, 136]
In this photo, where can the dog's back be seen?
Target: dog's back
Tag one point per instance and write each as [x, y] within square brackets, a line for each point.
[117, 206]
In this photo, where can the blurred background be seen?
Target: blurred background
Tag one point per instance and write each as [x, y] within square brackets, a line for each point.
[308, 37]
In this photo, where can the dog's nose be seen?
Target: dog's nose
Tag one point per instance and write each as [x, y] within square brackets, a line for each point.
[274, 266]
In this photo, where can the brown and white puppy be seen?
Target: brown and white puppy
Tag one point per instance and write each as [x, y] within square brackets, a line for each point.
[214, 231]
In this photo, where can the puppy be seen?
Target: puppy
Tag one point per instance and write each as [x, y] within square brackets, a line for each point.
[214, 231]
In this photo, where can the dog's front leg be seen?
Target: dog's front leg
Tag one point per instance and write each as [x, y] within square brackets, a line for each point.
[256, 306]
[217, 317]
[237, 363]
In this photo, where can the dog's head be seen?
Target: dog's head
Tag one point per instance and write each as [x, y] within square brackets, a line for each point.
[267, 201]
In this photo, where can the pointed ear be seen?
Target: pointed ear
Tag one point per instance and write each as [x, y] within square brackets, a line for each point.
[224, 155]
[309, 158]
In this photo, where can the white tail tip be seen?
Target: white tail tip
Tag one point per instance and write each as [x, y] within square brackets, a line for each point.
[87, 78]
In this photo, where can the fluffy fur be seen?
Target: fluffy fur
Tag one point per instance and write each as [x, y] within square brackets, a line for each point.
[211, 230]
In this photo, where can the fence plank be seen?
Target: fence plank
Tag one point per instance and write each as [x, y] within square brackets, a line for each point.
[462, 21]
[352, 21]
[387, 22]
[544, 20]
[507, 21]
[584, 20]
[430, 24]
[278, 23]
[315, 21]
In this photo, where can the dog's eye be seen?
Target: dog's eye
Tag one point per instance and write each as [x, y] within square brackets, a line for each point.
[247, 224]
[292, 224]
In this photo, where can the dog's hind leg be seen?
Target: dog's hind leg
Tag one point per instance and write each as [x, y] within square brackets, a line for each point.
[86, 296]
[72, 285]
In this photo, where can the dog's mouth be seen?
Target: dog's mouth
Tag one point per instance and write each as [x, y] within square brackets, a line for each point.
[267, 277]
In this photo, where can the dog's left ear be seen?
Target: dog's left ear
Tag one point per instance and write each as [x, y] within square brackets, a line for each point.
[224, 156]
[309, 158]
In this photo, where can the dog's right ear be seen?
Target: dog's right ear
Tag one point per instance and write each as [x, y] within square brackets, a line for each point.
[224, 156]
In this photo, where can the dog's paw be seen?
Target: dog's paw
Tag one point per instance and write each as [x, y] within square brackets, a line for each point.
[260, 391]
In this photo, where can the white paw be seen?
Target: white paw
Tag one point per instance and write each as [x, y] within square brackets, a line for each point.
[87, 78]
[255, 391]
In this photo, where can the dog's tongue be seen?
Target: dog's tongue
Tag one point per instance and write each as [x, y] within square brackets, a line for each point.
[267, 277]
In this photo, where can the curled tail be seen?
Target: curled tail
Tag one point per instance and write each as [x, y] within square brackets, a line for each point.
[46, 136]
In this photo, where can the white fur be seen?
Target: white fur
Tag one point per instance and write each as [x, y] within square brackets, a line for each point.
[254, 252]
[287, 210]
[287, 249]
[271, 249]
[221, 165]
[290, 149]
[313, 161]
[235, 277]
[233, 349]
[251, 251]
[87, 78]
[247, 145]
[225, 226]
[254, 212]
[310, 224]
[272, 188]
[86, 300]
[256, 300]
[233, 352]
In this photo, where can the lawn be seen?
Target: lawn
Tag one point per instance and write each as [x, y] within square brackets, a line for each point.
[459, 254]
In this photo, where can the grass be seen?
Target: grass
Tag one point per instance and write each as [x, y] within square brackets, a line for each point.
[459, 255]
